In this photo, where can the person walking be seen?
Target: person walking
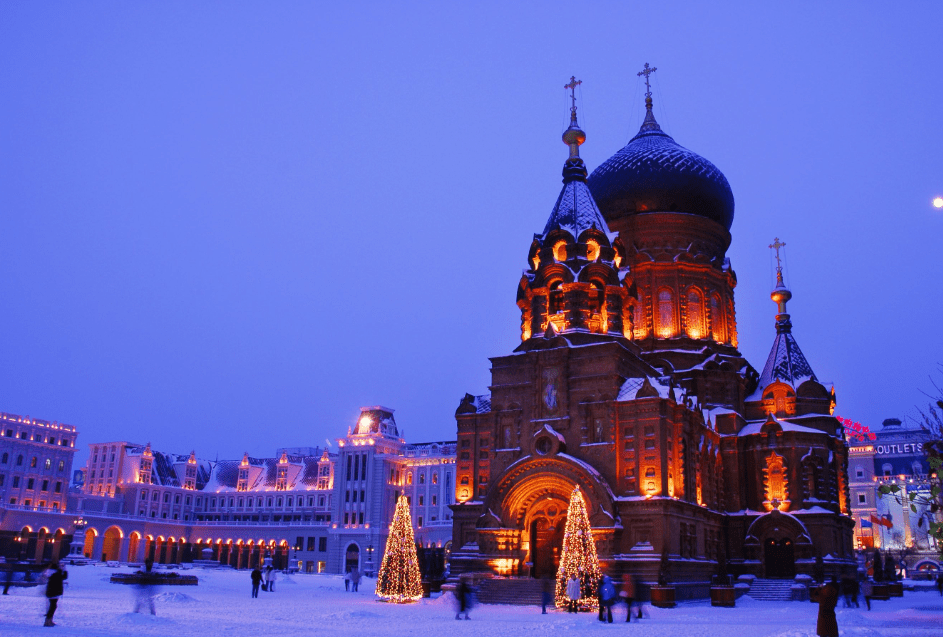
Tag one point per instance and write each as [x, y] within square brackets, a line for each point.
[55, 578]
[347, 580]
[355, 579]
[827, 624]
[546, 592]
[256, 581]
[464, 598]
[845, 586]
[8, 575]
[867, 589]
[628, 594]
[572, 593]
[607, 597]
[270, 576]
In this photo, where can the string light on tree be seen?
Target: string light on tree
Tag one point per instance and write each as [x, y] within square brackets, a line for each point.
[399, 579]
[578, 556]
[938, 202]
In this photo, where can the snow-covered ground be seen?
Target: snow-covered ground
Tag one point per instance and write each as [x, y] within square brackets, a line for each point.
[317, 604]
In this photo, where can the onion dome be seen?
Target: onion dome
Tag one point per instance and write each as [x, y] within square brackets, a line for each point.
[653, 173]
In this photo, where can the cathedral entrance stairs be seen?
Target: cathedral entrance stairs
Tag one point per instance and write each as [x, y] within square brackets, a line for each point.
[518, 591]
[771, 590]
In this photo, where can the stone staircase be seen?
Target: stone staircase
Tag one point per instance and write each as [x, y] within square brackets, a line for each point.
[771, 590]
[519, 591]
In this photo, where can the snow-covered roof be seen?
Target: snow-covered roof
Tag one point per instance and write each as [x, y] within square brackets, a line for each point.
[576, 211]
[755, 427]
[263, 473]
[631, 387]
[786, 363]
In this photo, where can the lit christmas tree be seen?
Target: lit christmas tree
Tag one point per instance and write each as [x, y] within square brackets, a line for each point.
[399, 579]
[578, 556]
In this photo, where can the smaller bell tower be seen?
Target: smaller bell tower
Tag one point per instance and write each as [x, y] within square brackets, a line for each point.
[574, 283]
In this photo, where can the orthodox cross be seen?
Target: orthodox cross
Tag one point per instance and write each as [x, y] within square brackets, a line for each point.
[646, 72]
[776, 245]
[572, 86]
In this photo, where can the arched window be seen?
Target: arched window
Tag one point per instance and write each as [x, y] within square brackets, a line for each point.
[592, 249]
[422, 478]
[19, 460]
[556, 297]
[6, 458]
[695, 314]
[598, 296]
[559, 250]
[717, 319]
[666, 313]
[638, 319]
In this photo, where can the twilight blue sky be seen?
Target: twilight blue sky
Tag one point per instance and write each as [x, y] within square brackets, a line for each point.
[228, 225]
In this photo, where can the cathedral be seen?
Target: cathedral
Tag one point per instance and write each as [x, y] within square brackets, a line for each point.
[628, 383]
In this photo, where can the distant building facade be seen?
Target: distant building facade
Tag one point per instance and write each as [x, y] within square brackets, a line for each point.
[888, 522]
[35, 468]
[305, 507]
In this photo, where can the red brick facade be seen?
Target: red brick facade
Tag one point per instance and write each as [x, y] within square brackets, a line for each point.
[628, 382]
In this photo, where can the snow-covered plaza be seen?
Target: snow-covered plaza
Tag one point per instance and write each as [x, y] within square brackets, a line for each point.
[317, 604]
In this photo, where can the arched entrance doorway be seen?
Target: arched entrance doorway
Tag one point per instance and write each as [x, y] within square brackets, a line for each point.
[111, 547]
[133, 544]
[89, 546]
[352, 559]
[545, 524]
[780, 558]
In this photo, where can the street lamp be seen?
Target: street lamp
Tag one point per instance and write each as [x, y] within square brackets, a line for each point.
[77, 545]
[370, 561]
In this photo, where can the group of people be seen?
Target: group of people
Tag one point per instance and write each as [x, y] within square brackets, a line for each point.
[265, 581]
[606, 596]
[352, 579]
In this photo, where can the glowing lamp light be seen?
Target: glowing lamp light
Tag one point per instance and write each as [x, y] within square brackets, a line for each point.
[938, 202]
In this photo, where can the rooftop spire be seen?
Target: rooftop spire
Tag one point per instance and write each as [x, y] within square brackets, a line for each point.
[780, 293]
[649, 124]
[574, 168]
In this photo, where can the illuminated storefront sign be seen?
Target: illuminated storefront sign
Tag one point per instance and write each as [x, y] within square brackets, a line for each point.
[908, 448]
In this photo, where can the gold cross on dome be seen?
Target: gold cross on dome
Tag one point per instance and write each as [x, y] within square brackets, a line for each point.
[572, 86]
[646, 72]
[776, 245]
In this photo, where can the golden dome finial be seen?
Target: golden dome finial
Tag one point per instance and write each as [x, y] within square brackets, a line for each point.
[780, 293]
[573, 136]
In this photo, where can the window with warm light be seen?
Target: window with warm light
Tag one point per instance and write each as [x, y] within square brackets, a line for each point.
[638, 321]
[559, 250]
[695, 314]
[666, 324]
[717, 319]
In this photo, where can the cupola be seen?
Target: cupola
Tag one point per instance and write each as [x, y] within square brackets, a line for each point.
[574, 283]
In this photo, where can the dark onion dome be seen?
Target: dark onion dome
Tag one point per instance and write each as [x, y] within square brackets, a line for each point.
[653, 173]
